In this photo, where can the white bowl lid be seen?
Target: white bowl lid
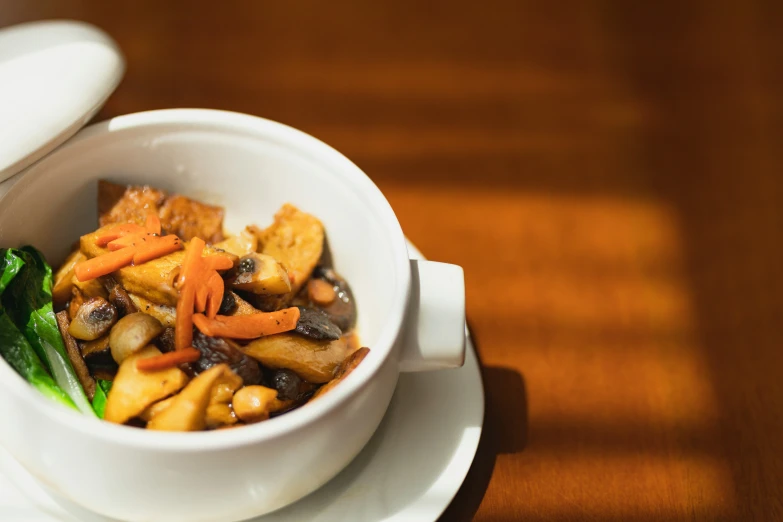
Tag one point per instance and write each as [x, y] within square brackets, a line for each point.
[54, 76]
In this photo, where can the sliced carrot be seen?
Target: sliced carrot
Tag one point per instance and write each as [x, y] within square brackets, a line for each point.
[152, 224]
[168, 360]
[129, 240]
[248, 326]
[155, 246]
[321, 292]
[218, 262]
[202, 295]
[216, 288]
[183, 333]
[192, 261]
[103, 265]
[118, 232]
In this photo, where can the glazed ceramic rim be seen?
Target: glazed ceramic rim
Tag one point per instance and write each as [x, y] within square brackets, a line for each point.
[303, 144]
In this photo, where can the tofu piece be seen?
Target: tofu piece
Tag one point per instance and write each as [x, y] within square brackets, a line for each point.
[296, 240]
[121, 204]
[189, 218]
[153, 280]
[178, 214]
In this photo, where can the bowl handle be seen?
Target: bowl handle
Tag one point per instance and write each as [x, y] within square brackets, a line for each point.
[434, 334]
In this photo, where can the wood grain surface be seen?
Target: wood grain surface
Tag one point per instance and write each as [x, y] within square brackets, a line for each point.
[610, 176]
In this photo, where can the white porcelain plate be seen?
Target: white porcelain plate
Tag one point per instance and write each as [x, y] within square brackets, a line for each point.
[409, 471]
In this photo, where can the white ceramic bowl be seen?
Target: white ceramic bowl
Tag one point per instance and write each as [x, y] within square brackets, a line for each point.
[411, 315]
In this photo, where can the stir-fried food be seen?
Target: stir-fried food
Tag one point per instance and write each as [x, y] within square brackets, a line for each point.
[161, 319]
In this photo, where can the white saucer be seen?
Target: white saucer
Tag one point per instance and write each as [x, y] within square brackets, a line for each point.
[409, 471]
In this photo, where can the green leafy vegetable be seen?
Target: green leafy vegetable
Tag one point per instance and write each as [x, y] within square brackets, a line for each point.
[14, 346]
[28, 300]
[101, 395]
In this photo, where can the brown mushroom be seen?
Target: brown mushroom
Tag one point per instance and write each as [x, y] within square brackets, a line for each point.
[167, 315]
[314, 361]
[346, 367]
[118, 297]
[97, 355]
[93, 319]
[240, 245]
[260, 274]
[132, 333]
[75, 355]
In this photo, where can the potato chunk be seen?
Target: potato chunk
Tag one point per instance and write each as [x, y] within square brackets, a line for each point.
[314, 361]
[188, 409]
[133, 390]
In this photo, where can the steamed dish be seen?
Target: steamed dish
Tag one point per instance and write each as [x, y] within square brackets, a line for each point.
[159, 319]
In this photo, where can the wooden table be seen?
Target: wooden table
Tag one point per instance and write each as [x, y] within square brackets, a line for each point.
[610, 176]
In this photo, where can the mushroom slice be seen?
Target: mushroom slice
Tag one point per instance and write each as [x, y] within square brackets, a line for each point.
[260, 274]
[97, 355]
[215, 350]
[93, 319]
[167, 315]
[346, 367]
[240, 306]
[241, 245]
[188, 409]
[342, 310]
[291, 387]
[314, 361]
[316, 325]
[132, 333]
[133, 390]
[119, 297]
[75, 355]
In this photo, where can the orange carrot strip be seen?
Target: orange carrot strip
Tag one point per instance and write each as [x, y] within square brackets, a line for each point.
[215, 287]
[202, 294]
[152, 224]
[183, 333]
[118, 232]
[168, 360]
[130, 240]
[103, 265]
[154, 247]
[218, 262]
[248, 326]
[192, 261]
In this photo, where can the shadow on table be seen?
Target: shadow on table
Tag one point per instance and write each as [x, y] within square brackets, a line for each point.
[504, 432]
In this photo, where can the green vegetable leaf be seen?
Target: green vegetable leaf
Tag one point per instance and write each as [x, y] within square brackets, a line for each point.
[101, 396]
[10, 265]
[28, 300]
[14, 347]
